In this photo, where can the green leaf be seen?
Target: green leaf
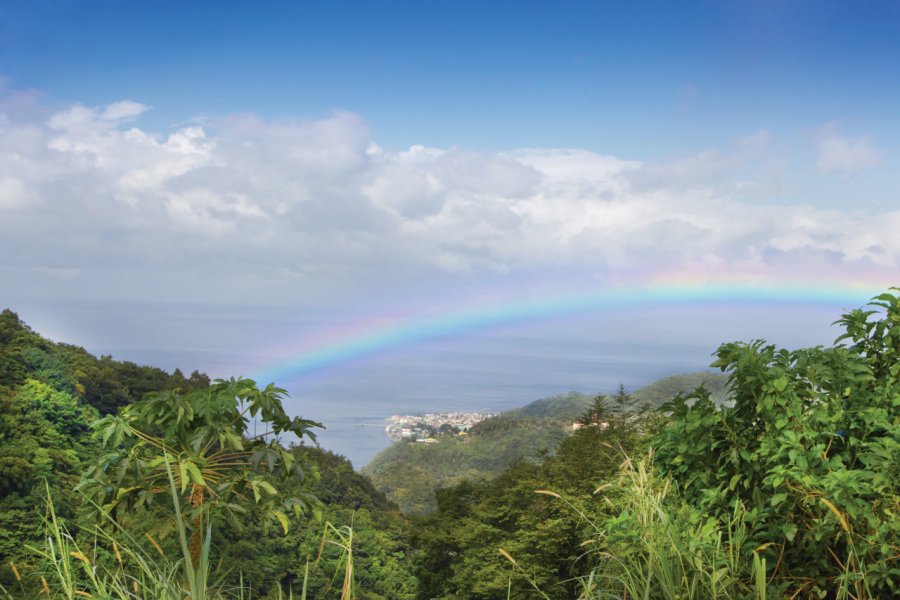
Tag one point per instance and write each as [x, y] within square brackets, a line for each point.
[122, 491]
[196, 476]
[282, 518]
[777, 499]
[288, 459]
[182, 467]
[790, 531]
[268, 487]
[780, 384]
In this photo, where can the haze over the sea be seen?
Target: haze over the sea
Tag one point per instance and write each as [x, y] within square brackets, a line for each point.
[396, 207]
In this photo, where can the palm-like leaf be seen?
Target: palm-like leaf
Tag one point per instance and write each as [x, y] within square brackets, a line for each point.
[203, 441]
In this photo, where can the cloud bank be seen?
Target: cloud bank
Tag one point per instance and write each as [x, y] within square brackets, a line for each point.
[287, 206]
[843, 154]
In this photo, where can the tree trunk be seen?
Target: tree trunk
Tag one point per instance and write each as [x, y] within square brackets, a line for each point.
[196, 542]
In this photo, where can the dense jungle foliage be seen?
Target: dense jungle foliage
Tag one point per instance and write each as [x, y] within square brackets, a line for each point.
[50, 394]
[52, 397]
[787, 489]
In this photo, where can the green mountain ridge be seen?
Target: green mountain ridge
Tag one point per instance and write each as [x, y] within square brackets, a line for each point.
[570, 405]
[409, 473]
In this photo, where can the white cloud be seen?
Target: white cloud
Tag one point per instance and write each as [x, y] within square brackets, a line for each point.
[123, 111]
[844, 154]
[12, 193]
[206, 213]
[243, 198]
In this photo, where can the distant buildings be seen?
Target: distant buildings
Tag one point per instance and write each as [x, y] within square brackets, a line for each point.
[576, 425]
[423, 428]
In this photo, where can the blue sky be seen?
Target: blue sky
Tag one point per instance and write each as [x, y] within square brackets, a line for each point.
[494, 75]
[218, 185]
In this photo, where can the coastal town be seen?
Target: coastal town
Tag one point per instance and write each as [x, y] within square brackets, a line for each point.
[424, 428]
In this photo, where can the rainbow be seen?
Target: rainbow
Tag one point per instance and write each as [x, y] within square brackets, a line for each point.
[389, 334]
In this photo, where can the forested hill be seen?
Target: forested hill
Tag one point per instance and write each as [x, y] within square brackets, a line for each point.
[409, 472]
[50, 395]
[102, 383]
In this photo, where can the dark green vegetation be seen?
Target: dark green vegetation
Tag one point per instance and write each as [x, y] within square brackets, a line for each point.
[49, 395]
[460, 541]
[786, 488]
[789, 489]
[409, 473]
[268, 558]
[809, 447]
[112, 472]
